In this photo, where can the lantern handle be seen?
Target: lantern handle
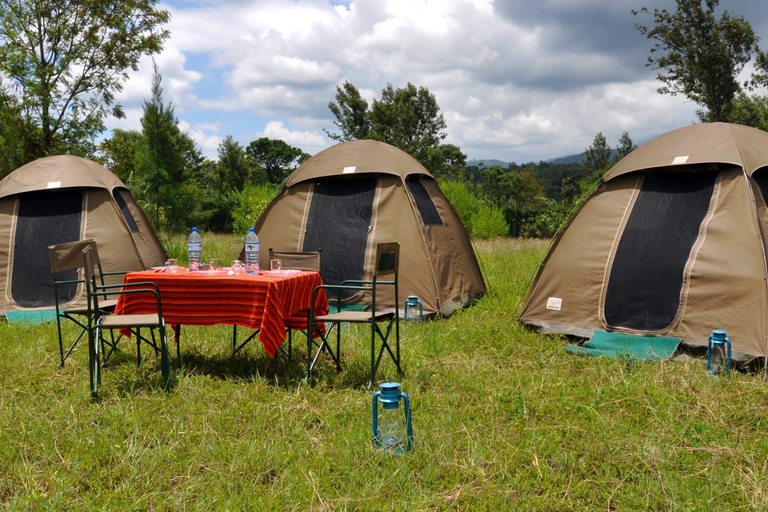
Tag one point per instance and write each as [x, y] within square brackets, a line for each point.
[375, 419]
[408, 427]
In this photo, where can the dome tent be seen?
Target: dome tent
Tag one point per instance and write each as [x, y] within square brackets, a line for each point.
[353, 195]
[60, 199]
[671, 244]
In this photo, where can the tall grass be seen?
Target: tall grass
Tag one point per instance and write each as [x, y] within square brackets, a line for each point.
[504, 419]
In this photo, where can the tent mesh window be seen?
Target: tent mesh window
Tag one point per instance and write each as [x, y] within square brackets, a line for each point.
[427, 209]
[647, 275]
[123, 205]
[338, 223]
[44, 218]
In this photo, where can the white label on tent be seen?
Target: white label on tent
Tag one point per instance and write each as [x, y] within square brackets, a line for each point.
[679, 160]
[54, 184]
[348, 170]
[554, 303]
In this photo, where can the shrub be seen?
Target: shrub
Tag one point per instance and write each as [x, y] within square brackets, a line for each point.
[253, 200]
[488, 222]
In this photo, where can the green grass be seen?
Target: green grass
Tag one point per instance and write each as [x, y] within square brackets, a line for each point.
[504, 419]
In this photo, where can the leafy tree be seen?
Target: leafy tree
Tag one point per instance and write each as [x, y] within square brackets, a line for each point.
[20, 141]
[166, 158]
[598, 155]
[700, 55]
[446, 161]
[275, 157]
[118, 153]
[233, 169]
[520, 196]
[408, 118]
[625, 147]
[70, 58]
[351, 112]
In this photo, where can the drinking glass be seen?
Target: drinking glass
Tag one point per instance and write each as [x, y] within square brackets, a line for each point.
[215, 264]
[171, 265]
[237, 267]
[275, 264]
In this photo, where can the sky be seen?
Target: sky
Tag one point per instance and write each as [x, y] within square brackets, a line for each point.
[516, 80]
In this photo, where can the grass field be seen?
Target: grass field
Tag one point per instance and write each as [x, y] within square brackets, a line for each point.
[504, 419]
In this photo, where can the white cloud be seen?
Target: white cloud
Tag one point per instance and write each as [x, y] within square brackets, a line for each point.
[308, 141]
[516, 80]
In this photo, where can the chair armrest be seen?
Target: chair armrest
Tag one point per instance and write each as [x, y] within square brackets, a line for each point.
[131, 288]
[116, 272]
[341, 287]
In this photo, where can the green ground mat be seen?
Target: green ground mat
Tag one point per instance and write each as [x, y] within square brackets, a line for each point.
[31, 317]
[611, 344]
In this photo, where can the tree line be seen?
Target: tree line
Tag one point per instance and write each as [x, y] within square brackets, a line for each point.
[63, 62]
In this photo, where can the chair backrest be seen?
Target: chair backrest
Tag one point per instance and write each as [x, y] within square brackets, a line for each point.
[309, 260]
[387, 258]
[69, 255]
[86, 261]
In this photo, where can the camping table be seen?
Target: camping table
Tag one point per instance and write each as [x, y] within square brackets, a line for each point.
[268, 301]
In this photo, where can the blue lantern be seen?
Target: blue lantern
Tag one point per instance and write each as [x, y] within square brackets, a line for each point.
[718, 353]
[392, 430]
[410, 313]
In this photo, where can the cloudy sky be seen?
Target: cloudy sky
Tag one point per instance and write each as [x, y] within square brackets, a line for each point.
[517, 80]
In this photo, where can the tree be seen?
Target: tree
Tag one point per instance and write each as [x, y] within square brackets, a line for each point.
[408, 118]
[118, 153]
[701, 55]
[233, 167]
[446, 161]
[275, 157]
[598, 155]
[20, 141]
[351, 112]
[625, 147]
[68, 59]
[166, 158]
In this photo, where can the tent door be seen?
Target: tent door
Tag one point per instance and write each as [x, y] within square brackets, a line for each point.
[648, 272]
[338, 223]
[43, 219]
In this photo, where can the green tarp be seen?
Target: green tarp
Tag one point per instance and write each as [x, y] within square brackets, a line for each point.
[611, 344]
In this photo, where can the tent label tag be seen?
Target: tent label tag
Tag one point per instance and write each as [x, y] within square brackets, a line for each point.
[54, 184]
[348, 170]
[679, 160]
[554, 303]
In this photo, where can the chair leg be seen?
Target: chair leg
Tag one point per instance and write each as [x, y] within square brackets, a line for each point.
[138, 346]
[61, 344]
[94, 363]
[374, 363]
[165, 362]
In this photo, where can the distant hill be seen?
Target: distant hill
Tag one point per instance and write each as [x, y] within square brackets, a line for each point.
[571, 159]
[487, 163]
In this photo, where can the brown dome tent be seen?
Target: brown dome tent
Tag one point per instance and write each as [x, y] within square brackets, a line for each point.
[61, 199]
[351, 196]
[672, 244]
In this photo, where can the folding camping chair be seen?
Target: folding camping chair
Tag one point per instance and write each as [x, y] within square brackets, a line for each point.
[310, 261]
[97, 322]
[386, 264]
[66, 260]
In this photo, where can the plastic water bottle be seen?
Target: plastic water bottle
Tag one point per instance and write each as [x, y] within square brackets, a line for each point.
[251, 252]
[195, 249]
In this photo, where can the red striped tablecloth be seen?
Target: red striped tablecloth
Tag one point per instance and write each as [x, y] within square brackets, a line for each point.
[268, 301]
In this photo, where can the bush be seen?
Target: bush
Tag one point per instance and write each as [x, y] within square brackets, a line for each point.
[463, 199]
[481, 219]
[253, 200]
[488, 222]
